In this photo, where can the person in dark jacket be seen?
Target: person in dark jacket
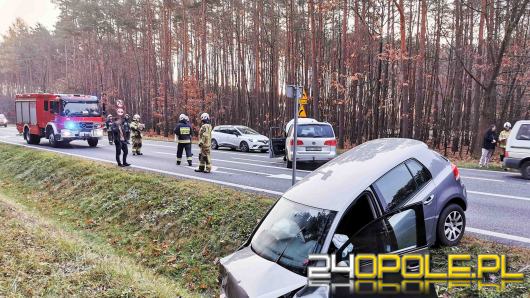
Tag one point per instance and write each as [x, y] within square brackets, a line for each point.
[183, 133]
[120, 142]
[488, 146]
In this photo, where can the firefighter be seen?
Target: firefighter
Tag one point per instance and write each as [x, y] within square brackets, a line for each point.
[205, 140]
[127, 128]
[183, 134]
[108, 128]
[120, 142]
[136, 134]
[503, 139]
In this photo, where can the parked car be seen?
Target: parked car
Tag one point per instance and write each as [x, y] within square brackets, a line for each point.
[239, 137]
[315, 142]
[517, 154]
[3, 120]
[384, 196]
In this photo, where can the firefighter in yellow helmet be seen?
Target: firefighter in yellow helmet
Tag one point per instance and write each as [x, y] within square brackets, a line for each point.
[136, 135]
[503, 139]
[205, 141]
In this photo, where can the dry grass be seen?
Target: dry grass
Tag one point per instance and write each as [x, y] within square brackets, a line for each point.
[37, 259]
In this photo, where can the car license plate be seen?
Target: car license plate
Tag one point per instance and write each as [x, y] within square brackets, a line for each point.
[313, 149]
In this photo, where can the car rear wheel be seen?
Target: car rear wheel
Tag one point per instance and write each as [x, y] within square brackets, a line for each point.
[525, 170]
[289, 164]
[451, 225]
[214, 146]
[244, 147]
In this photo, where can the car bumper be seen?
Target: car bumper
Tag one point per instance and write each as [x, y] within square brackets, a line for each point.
[71, 135]
[258, 146]
[321, 157]
[512, 163]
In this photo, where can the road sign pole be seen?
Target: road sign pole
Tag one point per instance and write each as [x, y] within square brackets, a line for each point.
[295, 130]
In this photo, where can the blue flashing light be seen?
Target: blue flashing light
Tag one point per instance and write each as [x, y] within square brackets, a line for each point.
[70, 125]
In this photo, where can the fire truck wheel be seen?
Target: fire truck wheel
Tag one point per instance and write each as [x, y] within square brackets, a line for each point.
[92, 142]
[54, 143]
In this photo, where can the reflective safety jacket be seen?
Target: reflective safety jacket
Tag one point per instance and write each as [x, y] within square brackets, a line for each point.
[136, 129]
[205, 135]
[183, 132]
[503, 138]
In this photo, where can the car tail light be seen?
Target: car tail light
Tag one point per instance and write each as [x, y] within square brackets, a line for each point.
[456, 172]
[331, 143]
[298, 142]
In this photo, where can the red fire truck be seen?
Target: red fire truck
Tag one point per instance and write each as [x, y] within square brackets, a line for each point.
[60, 118]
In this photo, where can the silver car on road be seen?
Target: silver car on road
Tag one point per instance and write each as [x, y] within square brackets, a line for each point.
[384, 196]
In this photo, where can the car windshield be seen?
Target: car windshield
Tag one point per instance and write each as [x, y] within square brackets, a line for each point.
[80, 108]
[291, 232]
[246, 130]
[315, 131]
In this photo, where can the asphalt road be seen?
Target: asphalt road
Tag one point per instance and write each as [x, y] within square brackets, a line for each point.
[499, 202]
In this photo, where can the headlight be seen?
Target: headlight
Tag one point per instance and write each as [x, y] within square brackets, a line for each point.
[70, 125]
[66, 133]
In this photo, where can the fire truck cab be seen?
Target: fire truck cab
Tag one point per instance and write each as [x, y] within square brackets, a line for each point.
[60, 118]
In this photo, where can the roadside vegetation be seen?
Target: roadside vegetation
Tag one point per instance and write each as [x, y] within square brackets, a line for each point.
[40, 259]
[177, 228]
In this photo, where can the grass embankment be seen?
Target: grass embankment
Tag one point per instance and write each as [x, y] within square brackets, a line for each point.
[38, 259]
[179, 228]
[176, 228]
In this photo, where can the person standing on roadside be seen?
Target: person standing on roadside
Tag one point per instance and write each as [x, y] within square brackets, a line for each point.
[183, 133]
[488, 146]
[205, 141]
[136, 134]
[108, 128]
[120, 142]
[503, 139]
[127, 128]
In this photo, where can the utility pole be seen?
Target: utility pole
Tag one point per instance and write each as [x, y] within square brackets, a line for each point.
[294, 92]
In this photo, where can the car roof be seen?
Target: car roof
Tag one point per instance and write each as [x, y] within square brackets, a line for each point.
[303, 121]
[337, 184]
[522, 122]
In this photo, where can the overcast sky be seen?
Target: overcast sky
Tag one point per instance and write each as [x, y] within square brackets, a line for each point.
[31, 11]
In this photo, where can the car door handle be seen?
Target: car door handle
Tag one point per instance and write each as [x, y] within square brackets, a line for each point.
[428, 200]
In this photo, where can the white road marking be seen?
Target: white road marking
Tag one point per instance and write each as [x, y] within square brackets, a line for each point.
[197, 149]
[246, 163]
[498, 195]
[284, 176]
[484, 179]
[240, 186]
[498, 235]
[265, 161]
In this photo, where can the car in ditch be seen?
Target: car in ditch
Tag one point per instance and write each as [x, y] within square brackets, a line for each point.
[384, 196]
[239, 137]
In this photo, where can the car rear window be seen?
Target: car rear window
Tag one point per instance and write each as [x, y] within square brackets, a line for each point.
[315, 131]
[524, 133]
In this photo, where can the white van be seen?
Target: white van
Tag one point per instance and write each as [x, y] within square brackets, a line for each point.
[518, 148]
[316, 142]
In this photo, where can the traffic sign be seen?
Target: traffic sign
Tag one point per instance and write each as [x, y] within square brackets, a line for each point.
[120, 112]
[119, 103]
[301, 112]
